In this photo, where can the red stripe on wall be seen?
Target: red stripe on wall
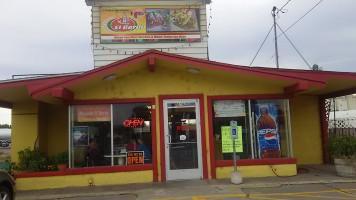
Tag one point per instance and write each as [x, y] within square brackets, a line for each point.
[162, 146]
[211, 137]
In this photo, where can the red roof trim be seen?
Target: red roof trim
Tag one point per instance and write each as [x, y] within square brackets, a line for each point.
[151, 63]
[93, 73]
[300, 86]
[274, 74]
[35, 83]
[62, 93]
[314, 78]
[238, 69]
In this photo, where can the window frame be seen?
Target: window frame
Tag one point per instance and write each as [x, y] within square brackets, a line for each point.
[245, 162]
[152, 101]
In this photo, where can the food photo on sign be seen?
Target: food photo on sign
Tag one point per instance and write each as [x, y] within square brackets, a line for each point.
[185, 20]
[158, 20]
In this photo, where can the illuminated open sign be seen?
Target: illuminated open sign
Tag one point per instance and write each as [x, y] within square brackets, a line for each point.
[133, 122]
[183, 128]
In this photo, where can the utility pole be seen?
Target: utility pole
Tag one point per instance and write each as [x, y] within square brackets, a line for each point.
[275, 34]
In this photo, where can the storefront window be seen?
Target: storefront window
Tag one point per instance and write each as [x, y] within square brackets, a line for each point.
[101, 135]
[226, 111]
[132, 129]
[263, 128]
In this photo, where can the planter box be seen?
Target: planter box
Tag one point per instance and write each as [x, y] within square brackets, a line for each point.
[345, 167]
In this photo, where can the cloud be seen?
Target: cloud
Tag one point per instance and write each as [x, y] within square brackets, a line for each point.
[5, 116]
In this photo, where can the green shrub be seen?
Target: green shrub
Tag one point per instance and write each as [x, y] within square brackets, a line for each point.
[61, 158]
[32, 160]
[343, 146]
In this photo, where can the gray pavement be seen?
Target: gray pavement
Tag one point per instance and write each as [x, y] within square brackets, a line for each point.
[322, 177]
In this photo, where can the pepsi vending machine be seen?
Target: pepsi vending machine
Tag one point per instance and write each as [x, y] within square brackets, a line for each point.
[267, 132]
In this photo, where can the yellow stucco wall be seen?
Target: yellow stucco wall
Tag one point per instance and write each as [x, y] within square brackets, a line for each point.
[57, 129]
[48, 122]
[258, 170]
[42, 126]
[306, 129]
[49, 182]
[142, 83]
[24, 127]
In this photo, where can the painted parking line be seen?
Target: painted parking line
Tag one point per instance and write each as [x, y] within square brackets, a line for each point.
[276, 196]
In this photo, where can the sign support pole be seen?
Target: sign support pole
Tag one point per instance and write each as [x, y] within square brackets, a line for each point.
[234, 149]
[236, 176]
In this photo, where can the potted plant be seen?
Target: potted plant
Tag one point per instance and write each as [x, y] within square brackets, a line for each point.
[343, 149]
[61, 160]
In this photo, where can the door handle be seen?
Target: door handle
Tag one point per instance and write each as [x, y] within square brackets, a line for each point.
[169, 139]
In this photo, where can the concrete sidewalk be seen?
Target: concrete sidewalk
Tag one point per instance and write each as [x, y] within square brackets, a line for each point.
[307, 174]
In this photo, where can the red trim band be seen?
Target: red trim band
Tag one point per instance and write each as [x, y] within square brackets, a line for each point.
[110, 101]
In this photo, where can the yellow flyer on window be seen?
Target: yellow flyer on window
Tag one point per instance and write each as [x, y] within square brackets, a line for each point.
[227, 146]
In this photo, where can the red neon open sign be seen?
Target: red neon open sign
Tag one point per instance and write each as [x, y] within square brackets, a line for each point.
[133, 122]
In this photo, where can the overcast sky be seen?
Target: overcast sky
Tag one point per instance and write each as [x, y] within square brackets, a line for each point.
[47, 36]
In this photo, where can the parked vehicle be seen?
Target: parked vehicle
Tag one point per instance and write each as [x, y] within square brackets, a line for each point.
[7, 184]
[5, 137]
[4, 143]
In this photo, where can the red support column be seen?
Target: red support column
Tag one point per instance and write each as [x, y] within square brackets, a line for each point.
[324, 129]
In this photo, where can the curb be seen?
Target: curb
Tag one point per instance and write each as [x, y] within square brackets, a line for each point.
[266, 185]
[40, 196]
[72, 195]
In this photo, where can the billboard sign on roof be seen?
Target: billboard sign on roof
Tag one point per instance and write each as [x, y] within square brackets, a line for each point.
[150, 24]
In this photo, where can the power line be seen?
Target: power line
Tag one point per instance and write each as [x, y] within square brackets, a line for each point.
[294, 46]
[301, 17]
[280, 10]
[261, 45]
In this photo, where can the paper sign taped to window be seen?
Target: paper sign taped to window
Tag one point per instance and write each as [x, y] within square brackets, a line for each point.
[227, 146]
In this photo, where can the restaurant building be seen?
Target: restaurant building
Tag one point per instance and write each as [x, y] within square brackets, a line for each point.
[156, 85]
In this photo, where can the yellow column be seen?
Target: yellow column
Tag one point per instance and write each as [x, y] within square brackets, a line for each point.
[24, 127]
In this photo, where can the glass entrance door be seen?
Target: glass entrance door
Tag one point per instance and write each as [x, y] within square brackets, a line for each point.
[182, 139]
